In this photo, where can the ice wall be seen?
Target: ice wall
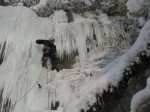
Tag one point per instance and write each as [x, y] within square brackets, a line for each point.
[21, 67]
[20, 27]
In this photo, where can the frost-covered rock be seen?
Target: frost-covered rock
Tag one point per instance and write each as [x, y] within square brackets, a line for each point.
[3, 3]
[140, 10]
[108, 6]
[46, 7]
[26, 3]
[135, 84]
[144, 107]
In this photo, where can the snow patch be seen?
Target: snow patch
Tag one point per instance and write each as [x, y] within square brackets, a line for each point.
[134, 5]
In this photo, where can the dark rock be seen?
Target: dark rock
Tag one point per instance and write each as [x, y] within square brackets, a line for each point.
[144, 107]
[54, 106]
[2, 53]
[119, 99]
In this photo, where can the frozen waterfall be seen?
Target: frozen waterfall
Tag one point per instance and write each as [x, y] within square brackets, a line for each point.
[21, 66]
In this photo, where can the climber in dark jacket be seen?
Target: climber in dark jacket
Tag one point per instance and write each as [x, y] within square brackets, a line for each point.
[49, 51]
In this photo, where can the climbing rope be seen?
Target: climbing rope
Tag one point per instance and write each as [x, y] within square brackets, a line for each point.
[48, 93]
[29, 89]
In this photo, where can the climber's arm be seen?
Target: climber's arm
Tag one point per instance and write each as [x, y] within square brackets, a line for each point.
[44, 42]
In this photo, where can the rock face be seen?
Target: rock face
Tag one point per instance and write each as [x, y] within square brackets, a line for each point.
[66, 62]
[119, 99]
[110, 7]
[3, 3]
[144, 107]
[135, 84]
[2, 52]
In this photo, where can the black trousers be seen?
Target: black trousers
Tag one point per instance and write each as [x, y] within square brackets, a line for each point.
[54, 62]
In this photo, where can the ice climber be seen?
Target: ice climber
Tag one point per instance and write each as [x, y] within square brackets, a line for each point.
[49, 51]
